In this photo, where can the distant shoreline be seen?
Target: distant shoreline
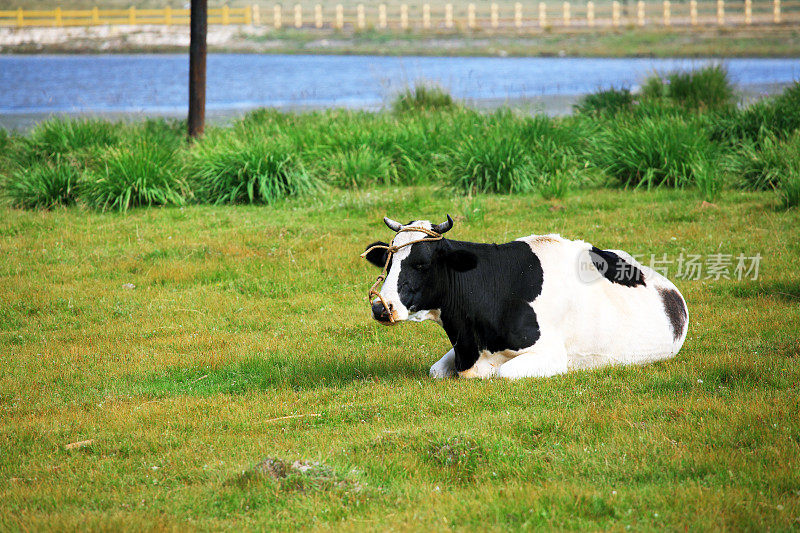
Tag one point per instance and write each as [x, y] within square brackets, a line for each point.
[730, 42]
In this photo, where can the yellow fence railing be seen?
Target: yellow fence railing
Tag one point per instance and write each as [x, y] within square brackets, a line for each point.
[132, 16]
[438, 17]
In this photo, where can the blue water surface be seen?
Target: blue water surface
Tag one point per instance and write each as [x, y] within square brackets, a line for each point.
[158, 82]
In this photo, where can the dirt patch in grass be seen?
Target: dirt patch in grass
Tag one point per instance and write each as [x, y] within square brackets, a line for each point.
[459, 456]
[303, 476]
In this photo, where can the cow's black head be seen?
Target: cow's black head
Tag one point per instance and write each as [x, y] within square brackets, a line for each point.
[418, 275]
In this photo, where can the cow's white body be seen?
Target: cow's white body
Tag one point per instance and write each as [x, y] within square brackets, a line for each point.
[585, 320]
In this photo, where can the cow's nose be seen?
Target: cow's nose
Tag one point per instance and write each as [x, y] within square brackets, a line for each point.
[379, 312]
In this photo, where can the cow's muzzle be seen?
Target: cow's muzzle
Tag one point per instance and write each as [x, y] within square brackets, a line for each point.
[380, 313]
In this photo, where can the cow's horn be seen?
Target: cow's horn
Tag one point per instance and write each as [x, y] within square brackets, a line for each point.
[394, 226]
[444, 226]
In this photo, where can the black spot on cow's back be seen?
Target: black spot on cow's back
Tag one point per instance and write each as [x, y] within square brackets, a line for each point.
[616, 269]
[675, 308]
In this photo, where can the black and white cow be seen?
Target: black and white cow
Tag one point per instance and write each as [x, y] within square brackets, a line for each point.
[537, 306]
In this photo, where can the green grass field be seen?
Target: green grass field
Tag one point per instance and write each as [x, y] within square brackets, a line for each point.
[200, 350]
[248, 336]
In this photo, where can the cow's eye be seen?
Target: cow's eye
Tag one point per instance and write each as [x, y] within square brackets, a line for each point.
[420, 267]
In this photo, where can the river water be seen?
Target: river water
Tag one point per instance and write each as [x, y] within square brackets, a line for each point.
[157, 83]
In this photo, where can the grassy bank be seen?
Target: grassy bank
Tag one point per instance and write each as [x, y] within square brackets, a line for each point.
[682, 132]
[628, 42]
[778, 41]
[245, 334]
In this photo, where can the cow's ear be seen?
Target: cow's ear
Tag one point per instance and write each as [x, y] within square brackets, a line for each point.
[377, 256]
[460, 260]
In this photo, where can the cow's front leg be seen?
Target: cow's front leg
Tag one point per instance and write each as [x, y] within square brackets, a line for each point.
[445, 367]
[543, 359]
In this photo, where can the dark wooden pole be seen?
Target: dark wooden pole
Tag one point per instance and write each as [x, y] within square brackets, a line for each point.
[197, 67]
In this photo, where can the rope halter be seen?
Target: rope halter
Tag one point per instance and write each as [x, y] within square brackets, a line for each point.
[392, 249]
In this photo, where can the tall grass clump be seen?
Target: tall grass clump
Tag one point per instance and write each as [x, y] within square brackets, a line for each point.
[360, 167]
[708, 178]
[422, 97]
[69, 137]
[779, 115]
[556, 165]
[512, 154]
[556, 150]
[789, 190]
[608, 102]
[422, 143]
[332, 132]
[167, 133]
[769, 163]
[413, 164]
[5, 140]
[138, 174]
[570, 133]
[554, 173]
[701, 89]
[263, 117]
[43, 185]
[233, 171]
[760, 165]
[495, 162]
[652, 152]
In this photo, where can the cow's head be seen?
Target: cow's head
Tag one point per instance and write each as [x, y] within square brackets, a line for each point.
[418, 274]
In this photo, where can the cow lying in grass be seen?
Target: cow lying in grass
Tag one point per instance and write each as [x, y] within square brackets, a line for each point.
[538, 306]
